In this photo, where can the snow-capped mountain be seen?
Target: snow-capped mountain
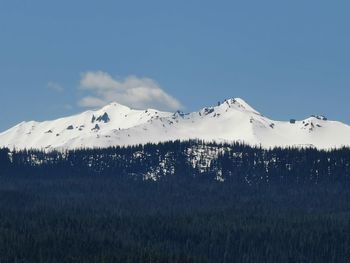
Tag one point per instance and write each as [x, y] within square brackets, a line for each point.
[232, 120]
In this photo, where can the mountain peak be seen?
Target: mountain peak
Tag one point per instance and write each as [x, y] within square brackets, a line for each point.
[240, 104]
[115, 105]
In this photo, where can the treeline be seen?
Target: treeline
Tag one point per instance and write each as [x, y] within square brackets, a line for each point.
[237, 163]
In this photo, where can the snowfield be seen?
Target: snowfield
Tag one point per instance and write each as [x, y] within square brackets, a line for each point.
[232, 120]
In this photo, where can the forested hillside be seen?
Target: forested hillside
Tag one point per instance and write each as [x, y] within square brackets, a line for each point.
[175, 202]
[237, 163]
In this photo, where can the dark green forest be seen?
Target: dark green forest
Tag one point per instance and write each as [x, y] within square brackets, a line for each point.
[175, 202]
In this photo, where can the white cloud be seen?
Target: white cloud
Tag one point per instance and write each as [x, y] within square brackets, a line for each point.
[91, 102]
[55, 86]
[132, 91]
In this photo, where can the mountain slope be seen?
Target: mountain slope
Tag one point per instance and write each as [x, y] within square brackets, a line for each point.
[233, 120]
[69, 131]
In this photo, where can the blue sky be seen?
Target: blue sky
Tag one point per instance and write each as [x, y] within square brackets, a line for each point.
[288, 59]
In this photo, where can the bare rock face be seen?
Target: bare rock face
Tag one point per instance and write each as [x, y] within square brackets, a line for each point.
[320, 117]
[96, 128]
[103, 118]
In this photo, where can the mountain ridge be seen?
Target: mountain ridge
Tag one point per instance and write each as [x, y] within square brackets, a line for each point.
[230, 121]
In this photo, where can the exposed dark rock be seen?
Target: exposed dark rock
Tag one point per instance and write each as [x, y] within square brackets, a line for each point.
[105, 118]
[178, 114]
[208, 111]
[320, 117]
[70, 127]
[96, 128]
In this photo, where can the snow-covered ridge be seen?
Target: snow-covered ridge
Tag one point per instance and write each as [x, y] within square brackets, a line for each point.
[231, 120]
